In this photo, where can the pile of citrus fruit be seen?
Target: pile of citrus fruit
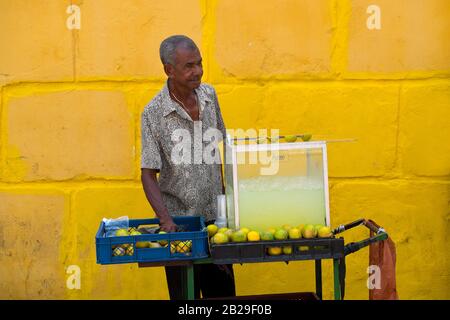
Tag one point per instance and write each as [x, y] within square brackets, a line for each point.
[128, 248]
[308, 231]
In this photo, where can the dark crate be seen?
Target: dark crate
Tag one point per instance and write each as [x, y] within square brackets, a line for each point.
[309, 296]
[302, 249]
[195, 231]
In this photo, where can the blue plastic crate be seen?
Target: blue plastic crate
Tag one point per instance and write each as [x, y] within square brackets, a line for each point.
[196, 232]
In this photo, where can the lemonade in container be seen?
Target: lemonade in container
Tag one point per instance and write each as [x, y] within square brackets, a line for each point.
[271, 184]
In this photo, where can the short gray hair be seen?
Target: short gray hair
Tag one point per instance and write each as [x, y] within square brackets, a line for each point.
[170, 45]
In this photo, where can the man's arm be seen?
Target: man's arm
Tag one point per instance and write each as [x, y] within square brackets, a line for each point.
[153, 194]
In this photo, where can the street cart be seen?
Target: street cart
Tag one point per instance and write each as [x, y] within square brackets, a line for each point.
[266, 184]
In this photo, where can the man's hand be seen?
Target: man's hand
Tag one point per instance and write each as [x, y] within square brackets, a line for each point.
[167, 224]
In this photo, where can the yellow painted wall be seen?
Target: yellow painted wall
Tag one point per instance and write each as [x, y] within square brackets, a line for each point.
[70, 129]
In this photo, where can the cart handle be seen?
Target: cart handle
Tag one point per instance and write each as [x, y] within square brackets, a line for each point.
[368, 223]
[355, 246]
[380, 234]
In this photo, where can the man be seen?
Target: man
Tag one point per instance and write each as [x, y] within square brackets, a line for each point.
[174, 117]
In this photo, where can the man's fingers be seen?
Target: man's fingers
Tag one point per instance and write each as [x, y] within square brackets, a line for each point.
[169, 228]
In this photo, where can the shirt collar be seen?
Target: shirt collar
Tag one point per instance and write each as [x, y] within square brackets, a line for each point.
[170, 105]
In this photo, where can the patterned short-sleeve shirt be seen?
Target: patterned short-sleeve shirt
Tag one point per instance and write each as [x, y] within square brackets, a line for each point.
[188, 188]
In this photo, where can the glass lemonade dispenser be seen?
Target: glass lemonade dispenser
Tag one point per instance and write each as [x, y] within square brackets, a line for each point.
[272, 184]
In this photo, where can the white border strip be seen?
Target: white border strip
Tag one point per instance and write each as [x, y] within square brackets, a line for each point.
[325, 183]
[235, 187]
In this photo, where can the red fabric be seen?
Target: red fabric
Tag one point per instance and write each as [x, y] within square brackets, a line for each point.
[383, 255]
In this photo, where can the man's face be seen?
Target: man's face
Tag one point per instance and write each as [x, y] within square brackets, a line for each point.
[188, 70]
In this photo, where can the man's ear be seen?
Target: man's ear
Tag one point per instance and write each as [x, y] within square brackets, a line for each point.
[168, 69]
